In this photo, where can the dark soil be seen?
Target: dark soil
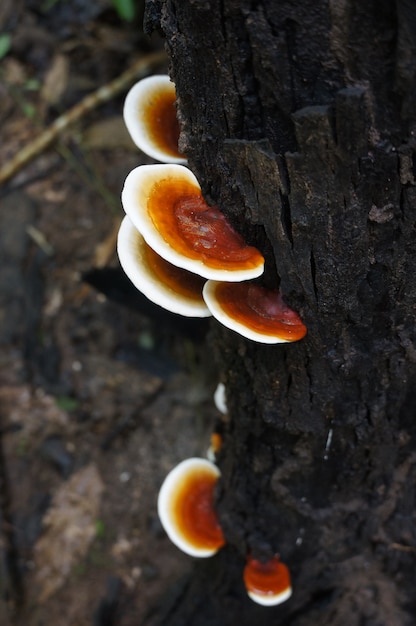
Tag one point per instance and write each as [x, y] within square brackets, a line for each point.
[101, 394]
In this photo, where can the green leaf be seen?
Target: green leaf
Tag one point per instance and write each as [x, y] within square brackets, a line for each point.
[126, 9]
[99, 528]
[66, 403]
[33, 84]
[29, 110]
[48, 4]
[5, 43]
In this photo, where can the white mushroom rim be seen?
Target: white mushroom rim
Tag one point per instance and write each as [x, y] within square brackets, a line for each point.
[168, 286]
[172, 519]
[139, 107]
[152, 197]
[272, 599]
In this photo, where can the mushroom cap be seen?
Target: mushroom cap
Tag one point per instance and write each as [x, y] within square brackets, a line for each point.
[150, 116]
[214, 446]
[186, 507]
[267, 583]
[164, 284]
[165, 204]
[254, 312]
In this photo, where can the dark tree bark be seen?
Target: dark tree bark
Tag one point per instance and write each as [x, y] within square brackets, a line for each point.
[298, 119]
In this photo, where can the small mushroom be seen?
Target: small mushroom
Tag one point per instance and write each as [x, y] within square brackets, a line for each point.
[165, 204]
[267, 583]
[150, 116]
[220, 398]
[171, 287]
[186, 507]
[214, 446]
[253, 311]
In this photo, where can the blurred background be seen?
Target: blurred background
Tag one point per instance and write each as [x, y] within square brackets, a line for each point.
[101, 393]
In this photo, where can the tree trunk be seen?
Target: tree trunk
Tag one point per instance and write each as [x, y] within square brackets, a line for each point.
[298, 120]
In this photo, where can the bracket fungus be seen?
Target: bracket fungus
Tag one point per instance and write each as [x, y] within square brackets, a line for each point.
[171, 287]
[186, 507]
[267, 583]
[165, 204]
[150, 116]
[253, 311]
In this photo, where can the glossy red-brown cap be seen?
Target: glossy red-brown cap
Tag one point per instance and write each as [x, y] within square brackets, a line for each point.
[165, 204]
[186, 507]
[254, 312]
[171, 287]
[267, 583]
[150, 116]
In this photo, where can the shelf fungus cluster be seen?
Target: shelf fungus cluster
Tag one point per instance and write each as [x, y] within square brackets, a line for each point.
[181, 252]
[186, 509]
[187, 512]
[183, 255]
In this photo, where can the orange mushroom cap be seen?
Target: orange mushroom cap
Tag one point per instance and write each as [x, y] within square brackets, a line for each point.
[150, 116]
[253, 311]
[214, 446]
[186, 507]
[171, 287]
[267, 583]
[165, 204]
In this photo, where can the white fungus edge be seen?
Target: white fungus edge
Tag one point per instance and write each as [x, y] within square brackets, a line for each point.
[129, 242]
[136, 126]
[272, 599]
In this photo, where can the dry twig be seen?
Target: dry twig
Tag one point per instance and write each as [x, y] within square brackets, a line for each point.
[141, 68]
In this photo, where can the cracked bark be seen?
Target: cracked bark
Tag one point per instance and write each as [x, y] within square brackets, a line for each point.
[298, 120]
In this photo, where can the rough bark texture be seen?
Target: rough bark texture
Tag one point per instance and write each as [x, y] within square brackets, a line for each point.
[298, 119]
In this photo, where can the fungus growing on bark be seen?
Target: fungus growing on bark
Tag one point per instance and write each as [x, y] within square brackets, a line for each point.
[214, 446]
[267, 583]
[186, 507]
[164, 284]
[150, 116]
[253, 311]
[165, 204]
[220, 399]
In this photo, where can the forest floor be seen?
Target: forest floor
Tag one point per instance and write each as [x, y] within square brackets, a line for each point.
[98, 400]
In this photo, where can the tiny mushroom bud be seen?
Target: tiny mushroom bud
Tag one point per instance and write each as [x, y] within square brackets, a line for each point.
[164, 284]
[186, 507]
[267, 583]
[150, 116]
[220, 399]
[165, 204]
[214, 446]
[254, 312]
